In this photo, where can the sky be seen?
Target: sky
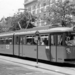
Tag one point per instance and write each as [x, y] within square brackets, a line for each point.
[9, 7]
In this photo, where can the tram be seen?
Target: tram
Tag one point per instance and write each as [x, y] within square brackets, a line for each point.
[51, 44]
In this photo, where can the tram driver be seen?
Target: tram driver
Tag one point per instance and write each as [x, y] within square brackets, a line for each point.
[70, 40]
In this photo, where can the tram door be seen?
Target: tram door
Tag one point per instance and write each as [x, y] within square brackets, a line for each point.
[60, 47]
[21, 45]
[16, 45]
[53, 47]
[58, 53]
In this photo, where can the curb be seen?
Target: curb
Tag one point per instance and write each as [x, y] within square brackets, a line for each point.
[62, 70]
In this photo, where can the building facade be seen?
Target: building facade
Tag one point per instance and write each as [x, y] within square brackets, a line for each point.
[37, 8]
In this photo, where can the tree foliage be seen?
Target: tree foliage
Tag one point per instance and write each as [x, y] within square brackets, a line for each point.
[22, 20]
[60, 12]
[4, 24]
[18, 21]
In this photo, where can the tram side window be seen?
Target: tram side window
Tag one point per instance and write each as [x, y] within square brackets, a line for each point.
[70, 40]
[17, 40]
[21, 40]
[52, 40]
[59, 40]
[44, 40]
[1, 41]
[24, 40]
[30, 40]
[6, 40]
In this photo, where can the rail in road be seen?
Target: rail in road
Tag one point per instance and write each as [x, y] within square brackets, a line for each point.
[46, 68]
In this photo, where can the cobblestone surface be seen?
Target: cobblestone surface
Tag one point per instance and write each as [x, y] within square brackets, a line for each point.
[11, 69]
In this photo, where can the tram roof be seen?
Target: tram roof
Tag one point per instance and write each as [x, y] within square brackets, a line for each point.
[44, 29]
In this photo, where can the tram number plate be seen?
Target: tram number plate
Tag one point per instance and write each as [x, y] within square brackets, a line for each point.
[47, 47]
[7, 47]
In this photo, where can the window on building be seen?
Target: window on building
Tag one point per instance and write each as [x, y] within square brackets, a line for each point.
[43, 3]
[38, 11]
[38, 5]
[35, 23]
[29, 9]
[47, 2]
[34, 6]
[47, 8]
[45, 23]
[42, 10]
[51, 1]
[42, 23]
[33, 12]
[38, 23]
[38, 14]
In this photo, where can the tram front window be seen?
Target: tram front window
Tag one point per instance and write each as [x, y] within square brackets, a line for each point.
[70, 40]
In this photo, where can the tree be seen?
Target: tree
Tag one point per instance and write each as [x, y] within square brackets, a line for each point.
[4, 26]
[27, 20]
[22, 20]
[60, 13]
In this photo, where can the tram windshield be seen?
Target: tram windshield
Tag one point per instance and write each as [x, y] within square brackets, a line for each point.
[70, 39]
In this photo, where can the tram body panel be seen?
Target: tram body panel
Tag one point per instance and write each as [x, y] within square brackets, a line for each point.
[6, 49]
[53, 53]
[43, 53]
[16, 50]
[70, 52]
[1, 48]
[61, 53]
[30, 51]
[21, 50]
[9, 49]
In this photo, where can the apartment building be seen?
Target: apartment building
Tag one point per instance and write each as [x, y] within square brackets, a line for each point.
[37, 8]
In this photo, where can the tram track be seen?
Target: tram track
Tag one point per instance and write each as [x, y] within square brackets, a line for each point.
[37, 67]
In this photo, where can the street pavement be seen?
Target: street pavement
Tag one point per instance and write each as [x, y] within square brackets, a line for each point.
[11, 68]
